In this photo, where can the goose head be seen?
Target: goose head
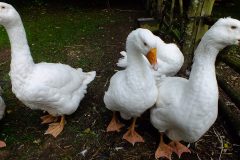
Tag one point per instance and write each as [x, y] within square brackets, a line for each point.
[8, 15]
[143, 41]
[226, 31]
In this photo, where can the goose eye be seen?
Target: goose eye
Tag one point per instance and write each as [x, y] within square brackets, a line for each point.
[144, 43]
[3, 7]
[233, 27]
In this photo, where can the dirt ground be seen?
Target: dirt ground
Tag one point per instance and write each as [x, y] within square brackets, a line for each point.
[84, 135]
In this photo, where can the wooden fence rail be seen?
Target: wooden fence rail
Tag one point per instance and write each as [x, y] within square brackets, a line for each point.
[231, 115]
[232, 61]
[233, 94]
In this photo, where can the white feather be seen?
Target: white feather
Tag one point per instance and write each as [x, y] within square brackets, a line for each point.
[170, 58]
[186, 109]
[133, 90]
[55, 88]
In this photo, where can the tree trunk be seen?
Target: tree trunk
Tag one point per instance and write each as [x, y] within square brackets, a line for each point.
[190, 32]
[181, 7]
[205, 11]
[160, 8]
[172, 12]
[231, 61]
[195, 28]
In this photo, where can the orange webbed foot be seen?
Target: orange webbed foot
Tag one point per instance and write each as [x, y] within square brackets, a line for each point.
[179, 148]
[114, 125]
[132, 136]
[163, 149]
[56, 128]
[48, 119]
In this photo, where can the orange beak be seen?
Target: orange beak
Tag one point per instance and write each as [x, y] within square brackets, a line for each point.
[152, 58]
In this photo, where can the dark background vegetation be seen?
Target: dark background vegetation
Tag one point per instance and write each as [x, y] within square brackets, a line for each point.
[77, 3]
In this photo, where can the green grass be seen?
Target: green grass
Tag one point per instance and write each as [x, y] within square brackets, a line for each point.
[49, 32]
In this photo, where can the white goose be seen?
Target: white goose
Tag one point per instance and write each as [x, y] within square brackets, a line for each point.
[169, 57]
[2, 111]
[55, 88]
[133, 90]
[186, 109]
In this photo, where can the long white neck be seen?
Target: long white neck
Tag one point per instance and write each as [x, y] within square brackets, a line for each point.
[21, 61]
[137, 66]
[202, 81]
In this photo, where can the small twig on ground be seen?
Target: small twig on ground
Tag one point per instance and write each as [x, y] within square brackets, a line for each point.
[60, 148]
[198, 157]
[227, 153]
[196, 143]
[93, 156]
[221, 142]
[106, 82]
[219, 139]
[1, 64]
[93, 123]
[83, 153]
[236, 145]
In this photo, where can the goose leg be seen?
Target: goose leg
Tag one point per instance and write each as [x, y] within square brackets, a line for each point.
[56, 128]
[179, 148]
[114, 125]
[48, 119]
[163, 149]
[131, 135]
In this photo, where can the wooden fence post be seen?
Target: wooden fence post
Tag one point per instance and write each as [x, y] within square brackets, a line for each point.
[160, 8]
[195, 27]
[190, 32]
[202, 27]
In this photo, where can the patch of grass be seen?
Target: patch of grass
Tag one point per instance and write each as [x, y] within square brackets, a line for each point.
[49, 32]
[13, 139]
[88, 133]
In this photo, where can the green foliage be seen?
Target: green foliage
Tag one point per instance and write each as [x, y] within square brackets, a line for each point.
[177, 34]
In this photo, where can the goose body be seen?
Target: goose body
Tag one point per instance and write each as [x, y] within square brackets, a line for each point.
[122, 98]
[132, 91]
[55, 88]
[186, 109]
[170, 58]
